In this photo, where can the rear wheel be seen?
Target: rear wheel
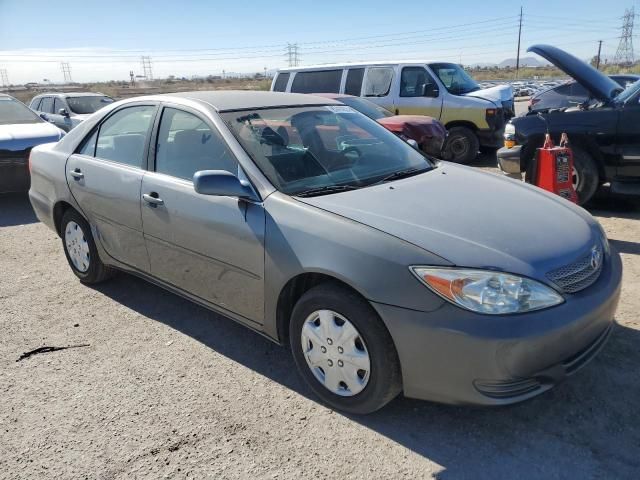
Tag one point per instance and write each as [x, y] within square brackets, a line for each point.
[80, 249]
[343, 350]
[462, 145]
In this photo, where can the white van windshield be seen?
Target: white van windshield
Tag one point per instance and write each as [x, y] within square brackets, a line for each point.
[454, 78]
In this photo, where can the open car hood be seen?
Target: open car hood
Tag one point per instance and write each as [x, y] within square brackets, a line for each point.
[599, 85]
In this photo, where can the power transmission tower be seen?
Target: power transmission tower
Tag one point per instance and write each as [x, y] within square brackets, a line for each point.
[518, 52]
[293, 58]
[4, 78]
[146, 68]
[66, 71]
[624, 54]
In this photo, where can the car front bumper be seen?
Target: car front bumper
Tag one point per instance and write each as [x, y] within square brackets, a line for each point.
[509, 160]
[455, 356]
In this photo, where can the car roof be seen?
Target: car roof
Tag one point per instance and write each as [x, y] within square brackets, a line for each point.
[377, 63]
[225, 100]
[70, 94]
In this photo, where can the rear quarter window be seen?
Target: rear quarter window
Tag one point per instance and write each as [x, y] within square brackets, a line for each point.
[324, 81]
[281, 82]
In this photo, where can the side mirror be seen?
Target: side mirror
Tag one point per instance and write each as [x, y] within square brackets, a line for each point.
[430, 90]
[222, 184]
[63, 112]
[413, 143]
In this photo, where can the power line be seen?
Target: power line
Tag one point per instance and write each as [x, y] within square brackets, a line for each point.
[624, 53]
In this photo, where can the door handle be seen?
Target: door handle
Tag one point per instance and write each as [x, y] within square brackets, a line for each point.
[77, 174]
[152, 198]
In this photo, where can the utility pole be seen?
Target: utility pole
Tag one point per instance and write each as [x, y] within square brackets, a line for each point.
[4, 78]
[518, 52]
[598, 57]
[66, 72]
[624, 53]
[146, 67]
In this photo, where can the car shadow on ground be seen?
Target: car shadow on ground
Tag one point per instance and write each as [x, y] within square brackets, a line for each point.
[591, 417]
[15, 209]
[587, 427]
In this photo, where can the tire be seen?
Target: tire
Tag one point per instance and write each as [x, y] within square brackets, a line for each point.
[368, 390]
[462, 145]
[76, 235]
[587, 173]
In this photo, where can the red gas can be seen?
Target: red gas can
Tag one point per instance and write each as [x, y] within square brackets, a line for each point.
[554, 168]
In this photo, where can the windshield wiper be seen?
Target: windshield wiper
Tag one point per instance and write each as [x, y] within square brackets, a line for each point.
[407, 172]
[326, 190]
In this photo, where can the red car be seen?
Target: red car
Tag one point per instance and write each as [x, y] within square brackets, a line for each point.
[428, 132]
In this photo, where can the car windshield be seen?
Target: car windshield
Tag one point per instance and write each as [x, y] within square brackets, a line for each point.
[323, 149]
[628, 92]
[83, 105]
[370, 109]
[454, 78]
[13, 112]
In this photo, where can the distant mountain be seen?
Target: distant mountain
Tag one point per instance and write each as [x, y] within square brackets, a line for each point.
[524, 62]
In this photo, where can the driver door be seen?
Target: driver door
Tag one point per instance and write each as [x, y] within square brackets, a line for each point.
[415, 84]
[209, 246]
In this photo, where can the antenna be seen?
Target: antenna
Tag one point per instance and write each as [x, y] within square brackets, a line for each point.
[146, 67]
[66, 72]
[624, 53]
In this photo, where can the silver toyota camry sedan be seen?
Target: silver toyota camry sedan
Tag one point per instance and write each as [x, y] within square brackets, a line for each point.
[295, 215]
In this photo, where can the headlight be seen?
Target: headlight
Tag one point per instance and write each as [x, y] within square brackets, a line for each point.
[509, 135]
[484, 291]
[604, 238]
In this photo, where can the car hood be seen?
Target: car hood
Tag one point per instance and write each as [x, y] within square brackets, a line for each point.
[473, 219]
[498, 94]
[599, 85]
[22, 136]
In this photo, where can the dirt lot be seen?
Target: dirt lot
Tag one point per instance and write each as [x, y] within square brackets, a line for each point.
[166, 389]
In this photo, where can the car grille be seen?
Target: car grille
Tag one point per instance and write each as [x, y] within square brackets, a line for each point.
[580, 274]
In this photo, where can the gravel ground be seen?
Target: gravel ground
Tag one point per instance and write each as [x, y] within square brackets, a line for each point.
[167, 389]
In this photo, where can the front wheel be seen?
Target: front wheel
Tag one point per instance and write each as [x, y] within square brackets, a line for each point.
[585, 175]
[462, 145]
[80, 249]
[343, 350]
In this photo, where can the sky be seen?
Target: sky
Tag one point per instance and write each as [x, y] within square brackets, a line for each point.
[104, 40]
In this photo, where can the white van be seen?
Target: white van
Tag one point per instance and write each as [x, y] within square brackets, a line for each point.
[441, 90]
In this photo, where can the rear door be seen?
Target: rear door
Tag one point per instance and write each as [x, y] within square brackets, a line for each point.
[105, 175]
[209, 246]
[418, 93]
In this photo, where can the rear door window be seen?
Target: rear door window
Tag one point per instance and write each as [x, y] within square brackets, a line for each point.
[123, 135]
[281, 82]
[378, 81]
[353, 84]
[324, 81]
